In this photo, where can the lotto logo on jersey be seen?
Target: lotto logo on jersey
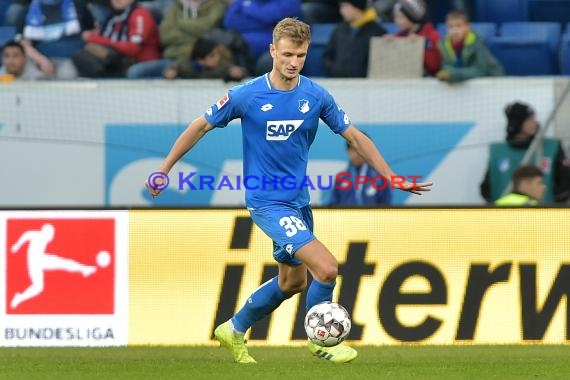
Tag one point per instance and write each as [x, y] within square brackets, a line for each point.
[60, 266]
[281, 130]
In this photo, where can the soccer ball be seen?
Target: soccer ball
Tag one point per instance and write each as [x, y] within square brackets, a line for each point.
[327, 324]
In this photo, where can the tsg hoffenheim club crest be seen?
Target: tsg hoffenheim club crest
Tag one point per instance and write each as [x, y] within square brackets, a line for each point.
[304, 106]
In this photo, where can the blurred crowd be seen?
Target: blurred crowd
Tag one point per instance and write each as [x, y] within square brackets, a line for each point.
[227, 39]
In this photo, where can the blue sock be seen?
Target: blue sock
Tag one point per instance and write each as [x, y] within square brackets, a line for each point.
[262, 301]
[319, 292]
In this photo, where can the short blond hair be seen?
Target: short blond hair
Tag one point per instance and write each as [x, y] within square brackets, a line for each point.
[292, 28]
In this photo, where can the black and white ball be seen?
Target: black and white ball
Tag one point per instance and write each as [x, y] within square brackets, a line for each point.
[327, 324]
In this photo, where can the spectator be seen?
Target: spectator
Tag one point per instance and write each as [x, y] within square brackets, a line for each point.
[51, 33]
[528, 188]
[130, 35]
[385, 9]
[366, 194]
[464, 53]
[16, 65]
[255, 20]
[184, 22]
[209, 60]
[522, 127]
[411, 18]
[320, 11]
[346, 54]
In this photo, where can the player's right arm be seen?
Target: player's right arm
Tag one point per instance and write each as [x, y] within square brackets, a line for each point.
[193, 133]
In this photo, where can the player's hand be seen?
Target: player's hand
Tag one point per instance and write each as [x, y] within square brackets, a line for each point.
[416, 187]
[154, 192]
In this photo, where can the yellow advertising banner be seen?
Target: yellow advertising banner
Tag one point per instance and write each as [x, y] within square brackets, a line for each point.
[421, 276]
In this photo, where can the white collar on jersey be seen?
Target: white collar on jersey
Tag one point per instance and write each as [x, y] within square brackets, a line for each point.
[269, 82]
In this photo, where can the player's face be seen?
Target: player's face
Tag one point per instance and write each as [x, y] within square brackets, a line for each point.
[288, 57]
[14, 60]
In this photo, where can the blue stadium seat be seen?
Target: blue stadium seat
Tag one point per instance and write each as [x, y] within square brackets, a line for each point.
[7, 33]
[524, 55]
[549, 10]
[320, 36]
[550, 31]
[4, 4]
[565, 54]
[483, 29]
[501, 10]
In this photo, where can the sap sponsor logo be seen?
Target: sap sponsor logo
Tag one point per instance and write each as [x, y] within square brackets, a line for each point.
[220, 103]
[58, 333]
[281, 130]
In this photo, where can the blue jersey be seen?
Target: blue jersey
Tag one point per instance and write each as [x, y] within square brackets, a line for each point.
[278, 128]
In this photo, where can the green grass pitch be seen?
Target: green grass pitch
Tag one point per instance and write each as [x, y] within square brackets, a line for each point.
[194, 363]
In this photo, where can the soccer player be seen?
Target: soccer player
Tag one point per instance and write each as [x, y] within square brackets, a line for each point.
[279, 114]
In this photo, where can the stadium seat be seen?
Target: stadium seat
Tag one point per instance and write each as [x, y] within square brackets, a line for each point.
[565, 54]
[483, 29]
[501, 10]
[4, 4]
[7, 33]
[549, 10]
[320, 35]
[524, 55]
[549, 31]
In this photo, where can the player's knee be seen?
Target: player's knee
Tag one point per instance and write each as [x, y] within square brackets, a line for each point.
[328, 274]
[291, 287]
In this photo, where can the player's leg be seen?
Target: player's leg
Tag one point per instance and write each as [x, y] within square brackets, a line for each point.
[292, 279]
[324, 268]
[320, 262]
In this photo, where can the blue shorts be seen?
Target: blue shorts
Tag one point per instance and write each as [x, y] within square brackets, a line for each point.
[290, 228]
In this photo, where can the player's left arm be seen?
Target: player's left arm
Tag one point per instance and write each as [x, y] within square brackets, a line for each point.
[366, 148]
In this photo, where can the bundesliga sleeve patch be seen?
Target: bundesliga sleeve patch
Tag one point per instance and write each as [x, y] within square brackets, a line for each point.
[220, 103]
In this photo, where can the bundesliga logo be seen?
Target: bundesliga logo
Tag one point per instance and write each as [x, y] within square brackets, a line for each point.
[60, 266]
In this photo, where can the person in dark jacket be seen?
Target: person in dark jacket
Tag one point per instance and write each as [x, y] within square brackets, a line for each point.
[346, 54]
[209, 60]
[255, 20]
[464, 53]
